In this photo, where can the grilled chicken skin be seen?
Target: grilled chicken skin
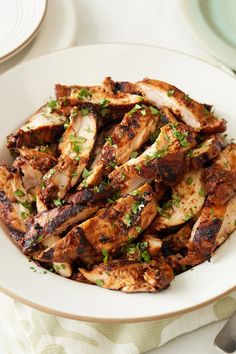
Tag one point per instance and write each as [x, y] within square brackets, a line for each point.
[188, 198]
[134, 130]
[111, 228]
[57, 220]
[163, 161]
[32, 164]
[194, 114]
[129, 276]
[205, 152]
[76, 147]
[15, 203]
[220, 183]
[43, 127]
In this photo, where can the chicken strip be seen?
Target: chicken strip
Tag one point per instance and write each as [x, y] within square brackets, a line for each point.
[110, 228]
[43, 127]
[129, 276]
[220, 183]
[194, 114]
[134, 130]
[187, 200]
[163, 161]
[206, 151]
[15, 204]
[76, 147]
[32, 164]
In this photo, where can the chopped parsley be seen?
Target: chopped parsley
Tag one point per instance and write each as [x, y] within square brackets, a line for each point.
[138, 167]
[153, 110]
[99, 282]
[139, 229]
[170, 92]
[105, 255]
[202, 192]
[112, 164]
[104, 103]
[176, 199]
[134, 155]
[77, 143]
[128, 219]
[157, 154]
[19, 193]
[84, 93]
[108, 140]
[154, 136]
[135, 109]
[123, 176]
[180, 136]
[53, 104]
[189, 180]
[27, 206]
[187, 98]
[143, 112]
[139, 250]
[86, 173]
[24, 215]
[58, 202]
[187, 217]
[84, 112]
[96, 189]
[104, 112]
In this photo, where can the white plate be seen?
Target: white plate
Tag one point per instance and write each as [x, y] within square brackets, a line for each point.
[20, 21]
[27, 87]
[213, 23]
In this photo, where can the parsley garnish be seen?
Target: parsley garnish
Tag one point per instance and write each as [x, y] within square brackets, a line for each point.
[202, 192]
[139, 229]
[189, 180]
[104, 103]
[128, 219]
[99, 282]
[84, 93]
[53, 104]
[24, 215]
[84, 112]
[19, 193]
[138, 167]
[134, 155]
[58, 202]
[105, 255]
[108, 140]
[153, 110]
[170, 92]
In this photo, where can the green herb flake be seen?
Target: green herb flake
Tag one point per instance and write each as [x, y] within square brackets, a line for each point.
[189, 180]
[176, 199]
[105, 255]
[143, 112]
[138, 167]
[84, 112]
[202, 192]
[19, 193]
[154, 136]
[154, 111]
[108, 140]
[134, 208]
[24, 215]
[104, 103]
[86, 173]
[53, 104]
[170, 93]
[96, 189]
[58, 202]
[128, 219]
[139, 229]
[187, 98]
[145, 256]
[27, 206]
[134, 155]
[187, 217]
[99, 282]
[84, 93]
[212, 212]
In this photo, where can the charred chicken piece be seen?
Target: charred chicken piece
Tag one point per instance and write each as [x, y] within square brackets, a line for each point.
[205, 152]
[42, 128]
[163, 161]
[32, 164]
[211, 229]
[188, 198]
[134, 130]
[111, 228]
[76, 147]
[131, 277]
[194, 114]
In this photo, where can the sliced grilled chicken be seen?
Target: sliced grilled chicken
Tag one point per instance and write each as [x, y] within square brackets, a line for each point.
[74, 246]
[194, 114]
[15, 204]
[163, 161]
[110, 228]
[54, 222]
[76, 147]
[220, 182]
[129, 276]
[32, 165]
[188, 198]
[134, 130]
[207, 151]
[43, 127]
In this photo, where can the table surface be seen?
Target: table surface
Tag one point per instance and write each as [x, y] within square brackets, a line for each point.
[153, 22]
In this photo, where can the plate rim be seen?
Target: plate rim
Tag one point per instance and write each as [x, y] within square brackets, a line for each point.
[29, 39]
[103, 319]
[213, 47]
